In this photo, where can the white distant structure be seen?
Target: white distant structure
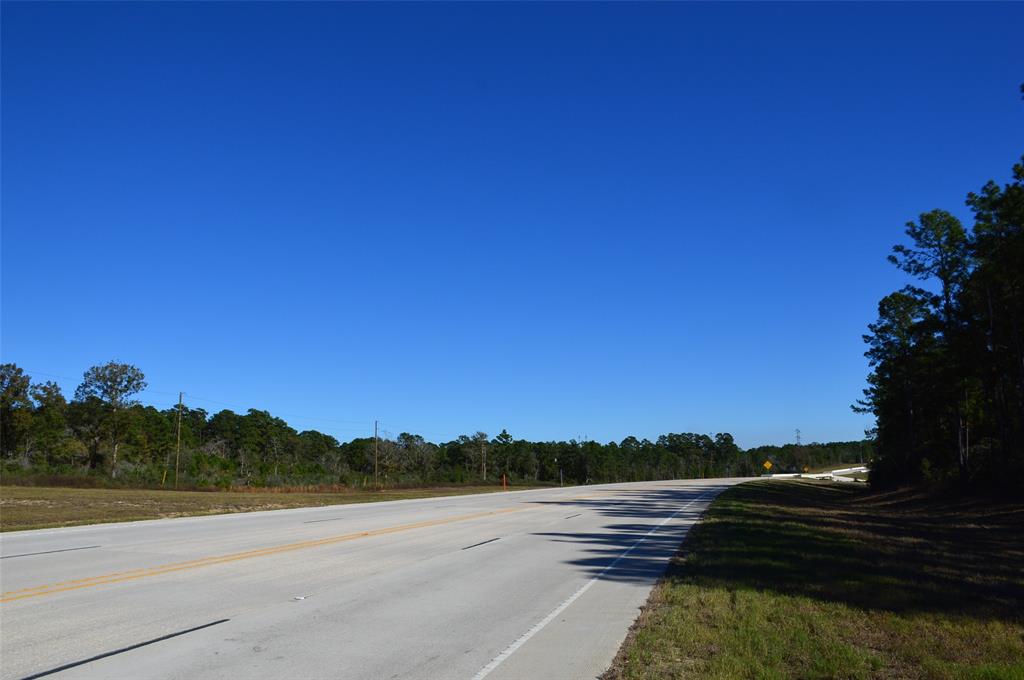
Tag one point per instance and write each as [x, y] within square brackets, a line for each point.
[841, 475]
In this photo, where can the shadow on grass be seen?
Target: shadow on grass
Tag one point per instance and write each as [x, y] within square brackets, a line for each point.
[902, 552]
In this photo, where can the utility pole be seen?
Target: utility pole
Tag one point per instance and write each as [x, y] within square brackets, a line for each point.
[483, 459]
[376, 483]
[177, 446]
[798, 436]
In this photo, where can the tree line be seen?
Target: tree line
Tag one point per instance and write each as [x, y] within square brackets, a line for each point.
[947, 356]
[103, 433]
[813, 456]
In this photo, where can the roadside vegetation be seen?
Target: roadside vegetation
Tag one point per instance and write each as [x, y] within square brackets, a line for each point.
[42, 507]
[104, 437]
[814, 457]
[947, 357]
[800, 579]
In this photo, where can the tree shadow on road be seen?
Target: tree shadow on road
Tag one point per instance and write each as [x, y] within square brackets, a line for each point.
[638, 550]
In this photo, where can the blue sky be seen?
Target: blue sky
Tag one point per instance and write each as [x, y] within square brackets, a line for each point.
[564, 220]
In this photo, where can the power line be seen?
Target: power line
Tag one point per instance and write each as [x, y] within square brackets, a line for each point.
[192, 397]
[413, 430]
[32, 372]
[364, 423]
[346, 425]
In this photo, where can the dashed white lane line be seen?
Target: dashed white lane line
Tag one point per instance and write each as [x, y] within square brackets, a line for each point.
[524, 638]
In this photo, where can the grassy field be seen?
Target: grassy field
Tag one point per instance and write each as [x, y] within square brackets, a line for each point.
[800, 579]
[29, 507]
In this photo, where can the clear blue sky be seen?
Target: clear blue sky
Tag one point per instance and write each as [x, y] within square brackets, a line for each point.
[564, 220]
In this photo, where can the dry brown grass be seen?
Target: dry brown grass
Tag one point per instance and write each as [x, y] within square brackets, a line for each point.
[24, 507]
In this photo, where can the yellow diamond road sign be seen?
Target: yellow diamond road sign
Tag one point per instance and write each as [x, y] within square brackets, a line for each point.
[767, 465]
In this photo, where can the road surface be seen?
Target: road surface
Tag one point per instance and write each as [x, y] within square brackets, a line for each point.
[531, 585]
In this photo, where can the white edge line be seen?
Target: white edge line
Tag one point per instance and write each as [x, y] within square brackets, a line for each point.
[511, 649]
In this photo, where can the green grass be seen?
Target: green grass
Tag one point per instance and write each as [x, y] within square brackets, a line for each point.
[30, 507]
[800, 579]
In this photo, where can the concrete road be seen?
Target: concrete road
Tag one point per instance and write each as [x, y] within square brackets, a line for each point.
[531, 585]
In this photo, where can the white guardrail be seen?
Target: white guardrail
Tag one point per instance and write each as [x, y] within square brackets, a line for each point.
[834, 475]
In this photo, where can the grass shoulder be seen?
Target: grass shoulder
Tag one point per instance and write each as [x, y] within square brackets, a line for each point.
[35, 507]
[799, 579]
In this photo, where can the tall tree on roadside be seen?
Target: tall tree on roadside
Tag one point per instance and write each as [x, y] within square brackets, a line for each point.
[995, 300]
[113, 384]
[947, 380]
[502, 445]
[15, 409]
[49, 424]
[939, 250]
[897, 346]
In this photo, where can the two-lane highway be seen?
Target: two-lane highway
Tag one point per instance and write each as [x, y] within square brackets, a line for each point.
[531, 584]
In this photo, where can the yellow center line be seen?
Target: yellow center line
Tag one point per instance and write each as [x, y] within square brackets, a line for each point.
[572, 498]
[120, 576]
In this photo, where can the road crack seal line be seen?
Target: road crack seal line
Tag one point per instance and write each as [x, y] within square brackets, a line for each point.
[49, 552]
[524, 638]
[132, 574]
[123, 650]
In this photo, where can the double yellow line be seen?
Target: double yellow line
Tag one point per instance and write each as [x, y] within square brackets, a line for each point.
[121, 576]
